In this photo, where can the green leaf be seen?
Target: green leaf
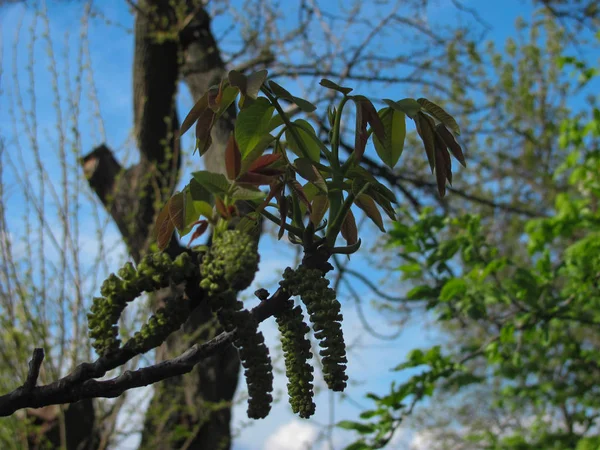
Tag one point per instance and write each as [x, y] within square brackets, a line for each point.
[308, 140]
[441, 115]
[454, 288]
[304, 105]
[361, 428]
[252, 124]
[244, 193]
[256, 152]
[408, 106]
[367, 204]
[336, 87]
[420, 293]
[320, 205]
[391, 148]
[215, 183]
[309, 172]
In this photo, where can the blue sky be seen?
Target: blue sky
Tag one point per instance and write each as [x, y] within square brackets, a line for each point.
[110, 53]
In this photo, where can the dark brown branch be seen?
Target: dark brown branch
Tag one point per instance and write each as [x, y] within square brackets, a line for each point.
[80, 384]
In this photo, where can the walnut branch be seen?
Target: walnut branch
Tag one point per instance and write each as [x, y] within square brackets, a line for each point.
[81, 383]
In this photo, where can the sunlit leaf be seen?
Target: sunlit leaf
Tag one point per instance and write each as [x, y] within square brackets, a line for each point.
[306, 142]
[215, 183]
[252, 125]
[265, 141]
[390, 149]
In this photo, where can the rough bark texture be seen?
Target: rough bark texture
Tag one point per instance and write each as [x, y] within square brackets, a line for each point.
[192, 411]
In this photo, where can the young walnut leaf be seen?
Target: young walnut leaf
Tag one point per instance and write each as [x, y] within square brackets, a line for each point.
[336, 87]
[349, 229]
[441, 115]
[390, 149]
[368, 205]
[194, 114]
[280, 92]
[451, 143]
[176, 210]
[163, 228]
[204, 126]
[305, 168]
[425, 128]
[320, 205]
[252, 125]
[233, 159]
[440, 171]
[299, 191]
[408, 106]
[366, 114]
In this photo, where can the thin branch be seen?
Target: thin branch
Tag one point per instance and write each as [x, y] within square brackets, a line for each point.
[80, 384]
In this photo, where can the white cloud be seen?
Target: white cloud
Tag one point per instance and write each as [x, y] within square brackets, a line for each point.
[294, 435]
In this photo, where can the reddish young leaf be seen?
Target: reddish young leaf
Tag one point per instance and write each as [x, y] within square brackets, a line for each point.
[164, 228]
[176, 209]
[199, 231]
[283, 207]
[213, 94]
[255, 179]
[320, 205]
[425, 128]
[194, 114]
[221, 208]
[440, 171]
[451, 142]
[299, 191]
[233, 158]
[263, 162]
[349, 229]
[368, 205]
[274, 192]
[361, 136]
[203, 127]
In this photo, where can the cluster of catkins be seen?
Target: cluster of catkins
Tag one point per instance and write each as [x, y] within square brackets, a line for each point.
[227, 268]
[325, 316]
[153, 272]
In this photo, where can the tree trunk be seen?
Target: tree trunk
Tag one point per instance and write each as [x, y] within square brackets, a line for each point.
[192, 411]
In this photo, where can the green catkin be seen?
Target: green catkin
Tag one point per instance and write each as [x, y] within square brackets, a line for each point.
[152, 273]
[325, 315]
[229, 267]
[296, 351]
